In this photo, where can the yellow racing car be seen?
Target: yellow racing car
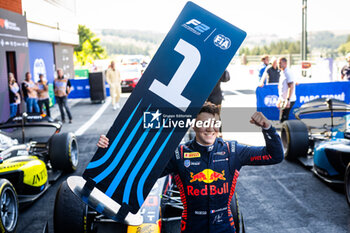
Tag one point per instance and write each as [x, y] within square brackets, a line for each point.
[28, 167]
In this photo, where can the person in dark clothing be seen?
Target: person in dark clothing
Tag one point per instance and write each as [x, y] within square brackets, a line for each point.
[62, 87]
[206, 170]
[15, 98]
[271, 74]
[215, 96]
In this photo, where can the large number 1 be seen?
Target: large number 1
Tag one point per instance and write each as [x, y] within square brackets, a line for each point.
[172, 92]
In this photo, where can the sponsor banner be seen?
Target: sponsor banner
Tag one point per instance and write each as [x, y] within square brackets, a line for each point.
[13, 25]
[52, 95]
[64, 59]
[267, 96]
[178, 80]
[41, 60]
[81, 88]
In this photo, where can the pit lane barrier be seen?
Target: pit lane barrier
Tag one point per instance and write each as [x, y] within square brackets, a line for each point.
[267, 96]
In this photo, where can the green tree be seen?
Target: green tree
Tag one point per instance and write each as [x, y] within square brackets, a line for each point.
[345, 48]
[89, 48]
[280, 47]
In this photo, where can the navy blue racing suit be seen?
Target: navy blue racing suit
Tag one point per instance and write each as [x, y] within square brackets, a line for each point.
[206, 177]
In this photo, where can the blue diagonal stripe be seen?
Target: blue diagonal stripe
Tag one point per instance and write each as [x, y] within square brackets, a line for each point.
[149, 169]
[138, 166]
[110, 150]
[121, 172]
[120, 153]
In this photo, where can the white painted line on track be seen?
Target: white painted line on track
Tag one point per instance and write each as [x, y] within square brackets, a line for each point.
[94, 118]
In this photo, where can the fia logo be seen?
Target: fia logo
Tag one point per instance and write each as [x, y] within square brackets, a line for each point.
[271, 100]
[222, 42]
[152, 120]
[196, 26]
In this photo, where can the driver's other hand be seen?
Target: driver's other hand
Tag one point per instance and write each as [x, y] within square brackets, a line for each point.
[260, 120]
[103, 142]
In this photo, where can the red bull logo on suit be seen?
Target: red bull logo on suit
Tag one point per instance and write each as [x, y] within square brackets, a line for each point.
[208, 176]
[211, 190]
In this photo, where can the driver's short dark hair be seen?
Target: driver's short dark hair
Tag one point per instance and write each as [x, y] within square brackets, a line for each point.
[210, 108]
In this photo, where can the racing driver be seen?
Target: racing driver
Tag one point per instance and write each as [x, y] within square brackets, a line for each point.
[206, 171]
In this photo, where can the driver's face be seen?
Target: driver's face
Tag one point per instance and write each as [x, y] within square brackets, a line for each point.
[206, 135]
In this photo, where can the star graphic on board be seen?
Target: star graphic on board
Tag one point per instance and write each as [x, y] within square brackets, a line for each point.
[156, 115]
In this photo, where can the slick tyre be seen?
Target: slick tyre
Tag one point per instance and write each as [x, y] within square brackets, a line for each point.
[70, 213]
[295, 139]
[63, 150]
[9, 207]
[237, 215]
[347, 183]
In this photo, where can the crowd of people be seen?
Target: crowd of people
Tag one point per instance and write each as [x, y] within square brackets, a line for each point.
[277, 72]
[35, 95]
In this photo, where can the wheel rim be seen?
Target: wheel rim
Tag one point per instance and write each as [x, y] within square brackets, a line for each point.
[8, 209]
[74, 153]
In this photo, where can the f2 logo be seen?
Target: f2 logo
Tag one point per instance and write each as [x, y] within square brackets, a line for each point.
[172, 92]
[201, 27]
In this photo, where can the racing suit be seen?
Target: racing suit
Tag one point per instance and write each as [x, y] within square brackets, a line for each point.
[206, 177]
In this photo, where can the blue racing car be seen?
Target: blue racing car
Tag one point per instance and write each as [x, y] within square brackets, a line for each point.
[322, 143]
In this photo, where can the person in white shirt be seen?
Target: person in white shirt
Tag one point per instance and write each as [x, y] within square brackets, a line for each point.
[286, 90]
[113, 79]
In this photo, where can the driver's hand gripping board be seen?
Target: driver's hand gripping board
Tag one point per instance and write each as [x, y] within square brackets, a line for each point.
[178, 80]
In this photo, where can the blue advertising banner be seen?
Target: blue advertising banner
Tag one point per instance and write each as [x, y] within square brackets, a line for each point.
[81, 88]
[178, 80]
[267, 96]
[41, 60]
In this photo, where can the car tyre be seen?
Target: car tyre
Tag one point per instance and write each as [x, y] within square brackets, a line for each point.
[70, 213]
[237, 215]
[63, 150]
[9, 207]
[347, 183]
[295, 139]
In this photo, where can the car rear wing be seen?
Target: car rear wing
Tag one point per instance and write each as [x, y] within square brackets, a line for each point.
[31, 120]
[322, 105]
